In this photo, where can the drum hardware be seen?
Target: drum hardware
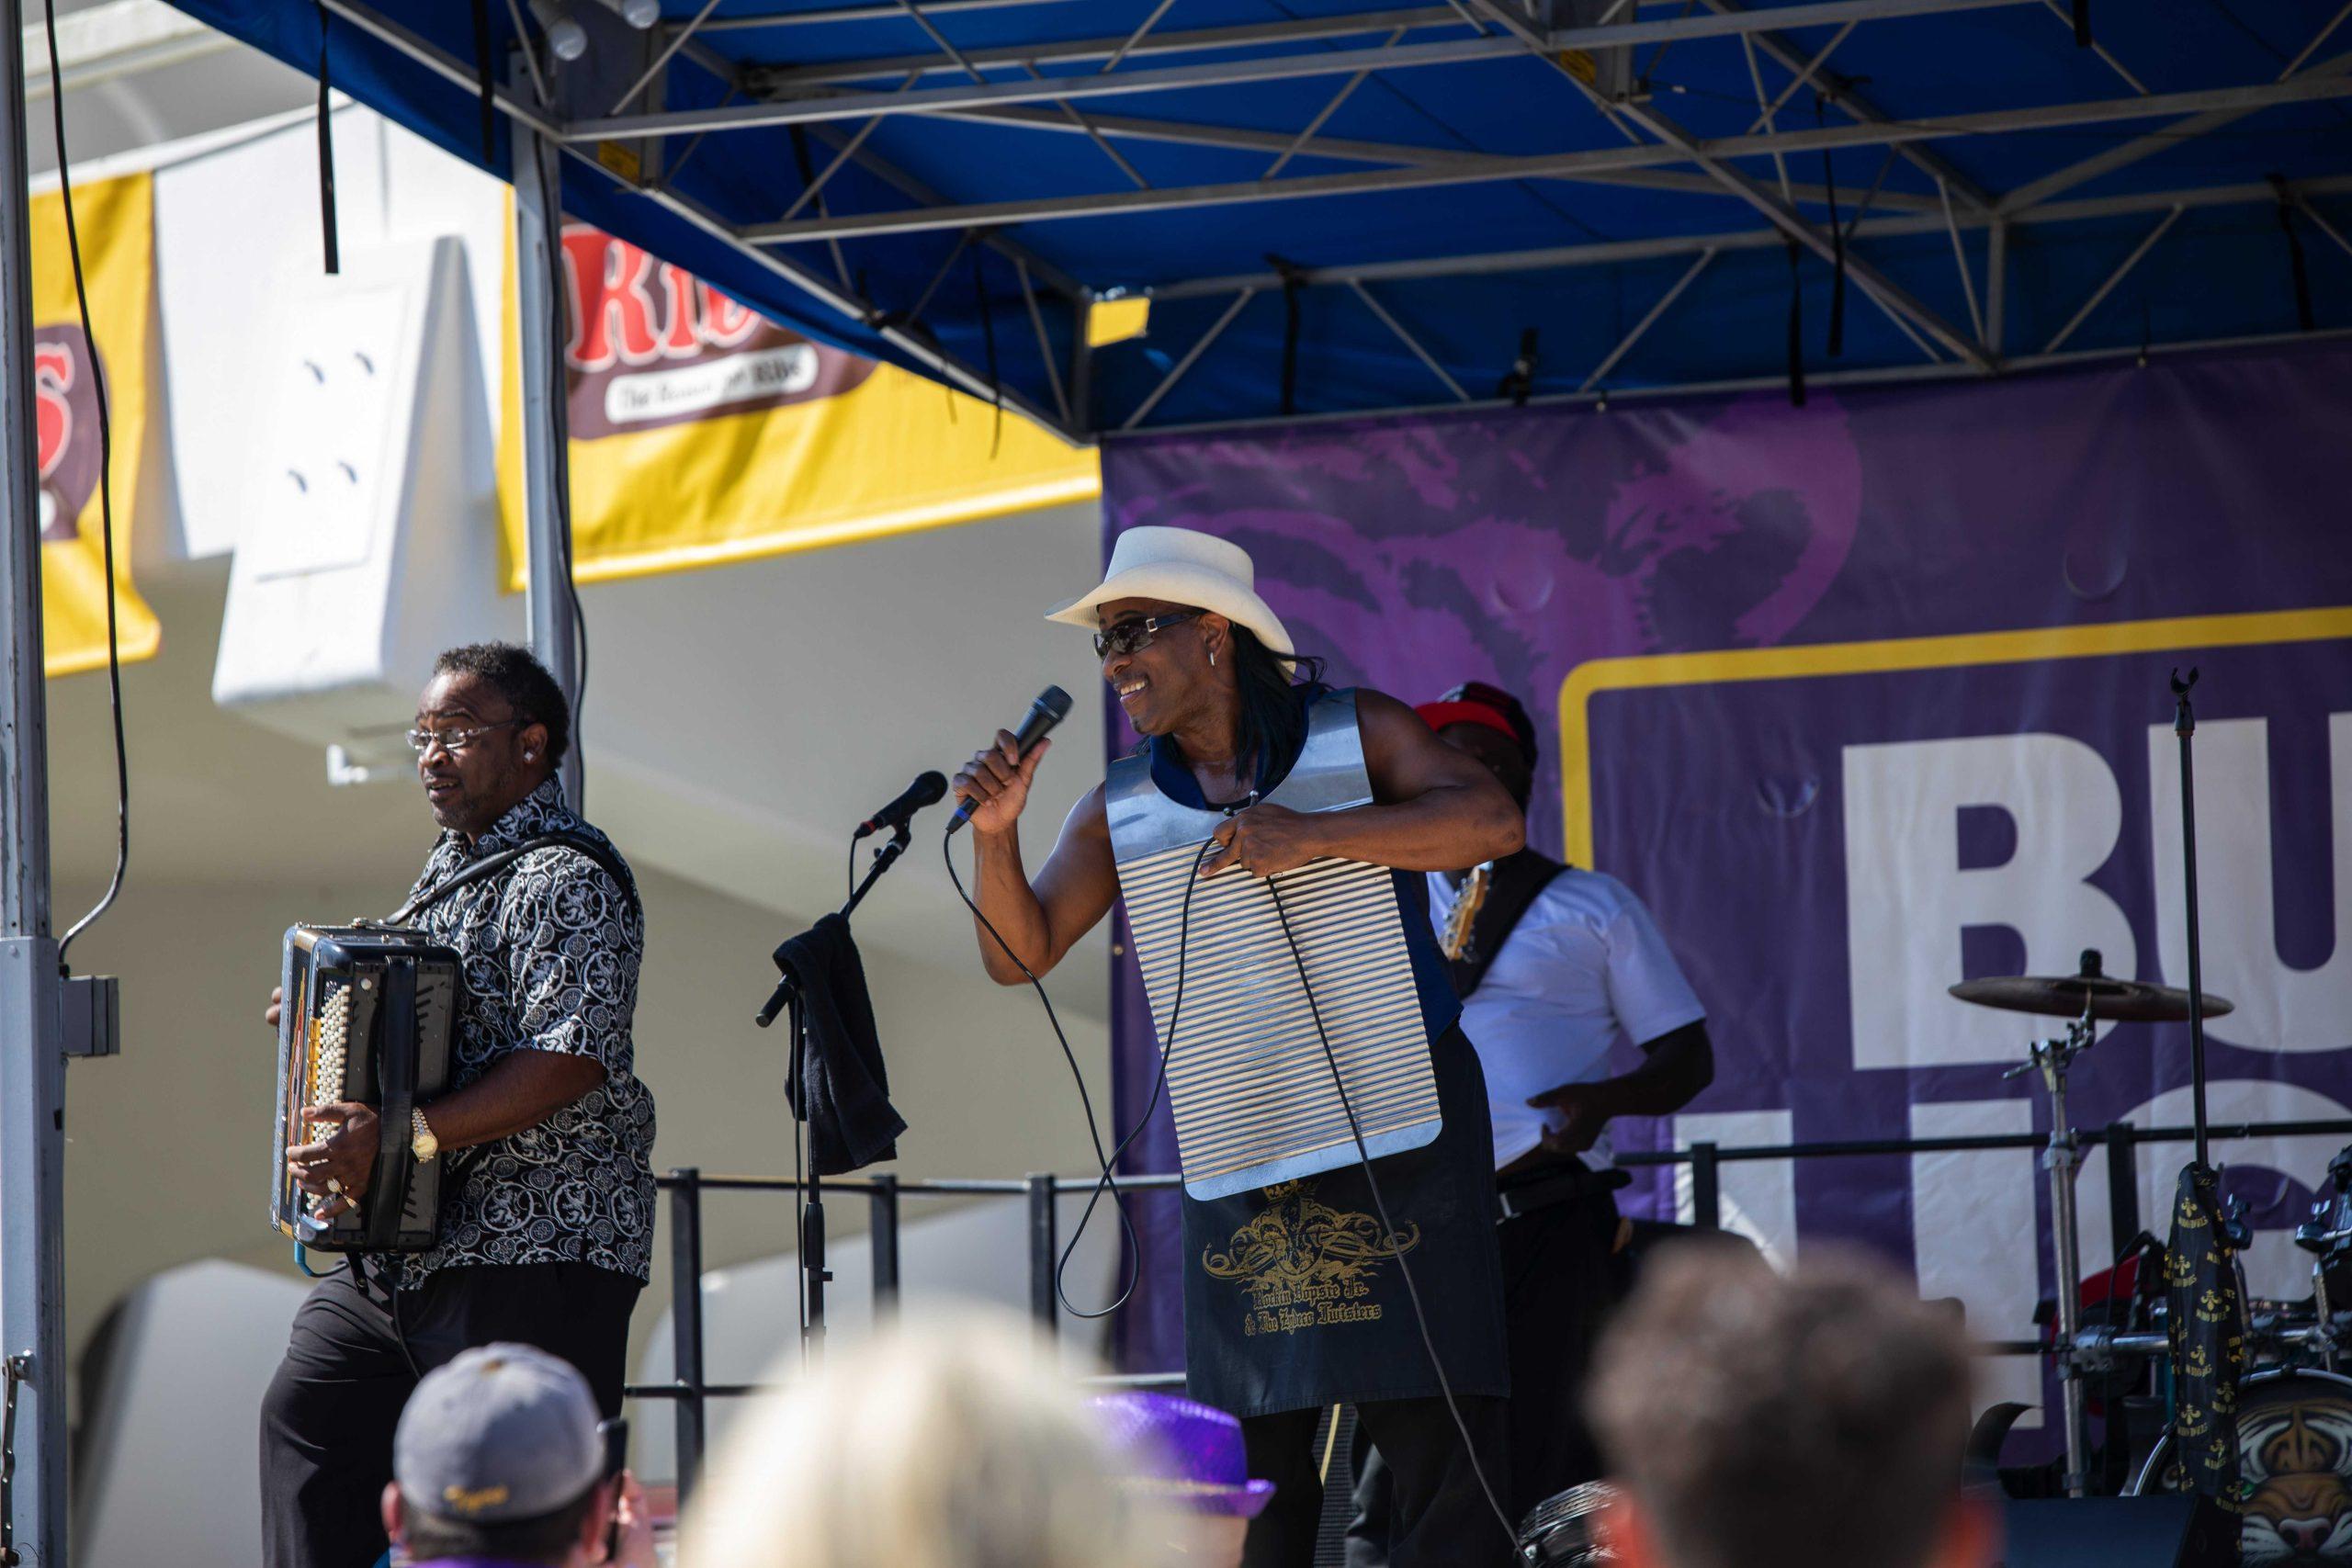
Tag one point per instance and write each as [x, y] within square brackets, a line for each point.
[1558, 1533]
[2091, 992]
[2051, 1059]
[2086, 999]
[2292, 1425]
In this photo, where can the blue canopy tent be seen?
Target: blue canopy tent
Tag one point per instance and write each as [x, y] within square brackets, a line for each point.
[1355, 205]
[1335, 207]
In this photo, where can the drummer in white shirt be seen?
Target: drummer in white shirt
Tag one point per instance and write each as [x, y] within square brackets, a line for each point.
[1554, 966]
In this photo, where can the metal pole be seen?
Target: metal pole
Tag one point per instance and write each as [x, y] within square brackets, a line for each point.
[1081, 368]
[547, 433]
[2060, 1161]
[685, 1321]
[32, 1062]
[2184, 725]
[1707, 1187]
[1043, 1245]
[2123, 1184]
[882, 1239]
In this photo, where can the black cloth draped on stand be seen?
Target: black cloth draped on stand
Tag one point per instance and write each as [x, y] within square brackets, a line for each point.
[846, 1099]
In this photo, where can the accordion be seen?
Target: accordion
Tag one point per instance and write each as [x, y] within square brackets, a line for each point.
[369, 1016]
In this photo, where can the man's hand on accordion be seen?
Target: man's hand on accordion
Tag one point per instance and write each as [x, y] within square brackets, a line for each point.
[343, 1159]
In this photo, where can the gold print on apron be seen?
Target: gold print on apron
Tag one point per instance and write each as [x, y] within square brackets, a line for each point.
[1303, 1264]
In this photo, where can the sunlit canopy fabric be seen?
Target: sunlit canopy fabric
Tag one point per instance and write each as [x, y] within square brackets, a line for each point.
[1487, 184]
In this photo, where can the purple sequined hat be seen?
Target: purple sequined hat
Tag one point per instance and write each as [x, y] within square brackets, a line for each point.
[1186, 1451]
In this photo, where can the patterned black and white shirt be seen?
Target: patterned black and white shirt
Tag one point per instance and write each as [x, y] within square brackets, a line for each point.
[550, 948]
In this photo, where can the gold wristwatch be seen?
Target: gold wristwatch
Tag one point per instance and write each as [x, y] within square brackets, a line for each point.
[422, 1143]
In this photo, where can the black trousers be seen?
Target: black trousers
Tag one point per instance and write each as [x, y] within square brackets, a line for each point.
[1560, 1282]
[356, 1352]
[1437, 1515]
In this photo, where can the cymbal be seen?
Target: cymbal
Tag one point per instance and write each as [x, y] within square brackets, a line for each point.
[2057, 995]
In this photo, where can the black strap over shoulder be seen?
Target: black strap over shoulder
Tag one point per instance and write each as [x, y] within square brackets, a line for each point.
[490, 865]
[1519, 881]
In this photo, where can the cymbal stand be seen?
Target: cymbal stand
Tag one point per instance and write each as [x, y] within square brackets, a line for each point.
[2051, 1059]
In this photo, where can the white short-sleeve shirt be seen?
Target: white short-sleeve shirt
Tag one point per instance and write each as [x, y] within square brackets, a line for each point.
[1585, 964]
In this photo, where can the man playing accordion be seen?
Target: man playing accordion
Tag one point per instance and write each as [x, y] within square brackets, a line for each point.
[546, 1215]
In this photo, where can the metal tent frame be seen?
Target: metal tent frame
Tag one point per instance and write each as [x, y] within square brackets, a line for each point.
[859, 244]
[1422, 184]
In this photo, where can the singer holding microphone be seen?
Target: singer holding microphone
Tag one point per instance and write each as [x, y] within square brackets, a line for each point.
[1208, 675]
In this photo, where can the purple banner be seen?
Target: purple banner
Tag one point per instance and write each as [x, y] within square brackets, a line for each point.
[1865, 698]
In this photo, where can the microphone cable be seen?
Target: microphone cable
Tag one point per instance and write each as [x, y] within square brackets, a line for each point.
[1108, 1180]
[106, 502]
[1380, 1205]
[1107, 1165]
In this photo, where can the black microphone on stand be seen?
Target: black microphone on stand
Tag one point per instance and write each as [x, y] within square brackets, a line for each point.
[1050, 708]
[926, 790]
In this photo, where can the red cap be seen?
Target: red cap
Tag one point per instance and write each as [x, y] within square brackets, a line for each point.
[1438, 715]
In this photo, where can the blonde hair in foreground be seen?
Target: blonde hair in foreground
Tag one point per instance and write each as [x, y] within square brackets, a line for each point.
[938, 1444]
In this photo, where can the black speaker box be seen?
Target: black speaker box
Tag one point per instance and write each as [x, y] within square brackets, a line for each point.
[2119, 1532]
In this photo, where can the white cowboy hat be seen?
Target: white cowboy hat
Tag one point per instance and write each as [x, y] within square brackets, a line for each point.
[1183, 566]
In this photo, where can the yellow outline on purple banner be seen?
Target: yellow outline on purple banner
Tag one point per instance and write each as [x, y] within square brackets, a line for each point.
[2182, 634]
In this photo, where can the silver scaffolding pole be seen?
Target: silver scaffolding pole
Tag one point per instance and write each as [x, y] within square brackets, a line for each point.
[32, 1061]
[547, 431]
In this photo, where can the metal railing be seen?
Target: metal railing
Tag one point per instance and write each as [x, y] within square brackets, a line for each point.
[690, 1392]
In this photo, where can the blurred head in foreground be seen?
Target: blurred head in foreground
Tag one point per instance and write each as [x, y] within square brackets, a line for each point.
[936, 1444]
[498, 1455]
[1761, 1422]
[1188, 1458]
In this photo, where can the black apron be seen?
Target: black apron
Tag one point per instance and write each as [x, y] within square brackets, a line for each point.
[1296, 1295]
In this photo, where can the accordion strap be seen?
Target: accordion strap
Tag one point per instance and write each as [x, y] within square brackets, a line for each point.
[490, 865]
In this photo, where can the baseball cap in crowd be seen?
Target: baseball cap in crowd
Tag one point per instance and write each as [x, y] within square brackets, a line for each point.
[1474, 702]
[1184, 1452]
[502, 1433]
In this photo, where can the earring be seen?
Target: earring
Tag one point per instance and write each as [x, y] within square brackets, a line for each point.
[530, 756]
[1211, 658]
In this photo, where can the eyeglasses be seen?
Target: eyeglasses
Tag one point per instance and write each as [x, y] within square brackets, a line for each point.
[1133, 637]
[452, 740]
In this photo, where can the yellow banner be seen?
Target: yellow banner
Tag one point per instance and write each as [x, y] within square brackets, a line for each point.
[704, 432]
[117, 222]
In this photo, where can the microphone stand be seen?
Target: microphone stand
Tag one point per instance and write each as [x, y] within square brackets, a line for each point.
[788, 994]
[2184, 725]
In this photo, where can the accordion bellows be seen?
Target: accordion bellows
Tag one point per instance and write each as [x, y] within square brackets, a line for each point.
[1251, 1088]
[369, 1015]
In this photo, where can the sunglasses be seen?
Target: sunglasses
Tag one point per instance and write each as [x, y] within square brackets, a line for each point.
[1133, 637]
[453, 741]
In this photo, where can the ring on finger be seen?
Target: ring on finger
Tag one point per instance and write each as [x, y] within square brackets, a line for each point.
[334, 1187]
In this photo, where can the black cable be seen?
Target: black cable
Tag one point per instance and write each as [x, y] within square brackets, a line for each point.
[1108, 1179]
[1086, 1102]
[799, 1188]
[106, 502]
[1387, 1227]
[1150, 1105]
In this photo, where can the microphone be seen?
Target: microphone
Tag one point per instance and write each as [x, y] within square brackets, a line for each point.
[924, 791]
[1050, 708]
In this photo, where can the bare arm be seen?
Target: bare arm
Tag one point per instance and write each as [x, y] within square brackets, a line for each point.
[1433, 809]
[1675, 1068]
[562, 1052]
[1040, 921]
[517, 1092]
